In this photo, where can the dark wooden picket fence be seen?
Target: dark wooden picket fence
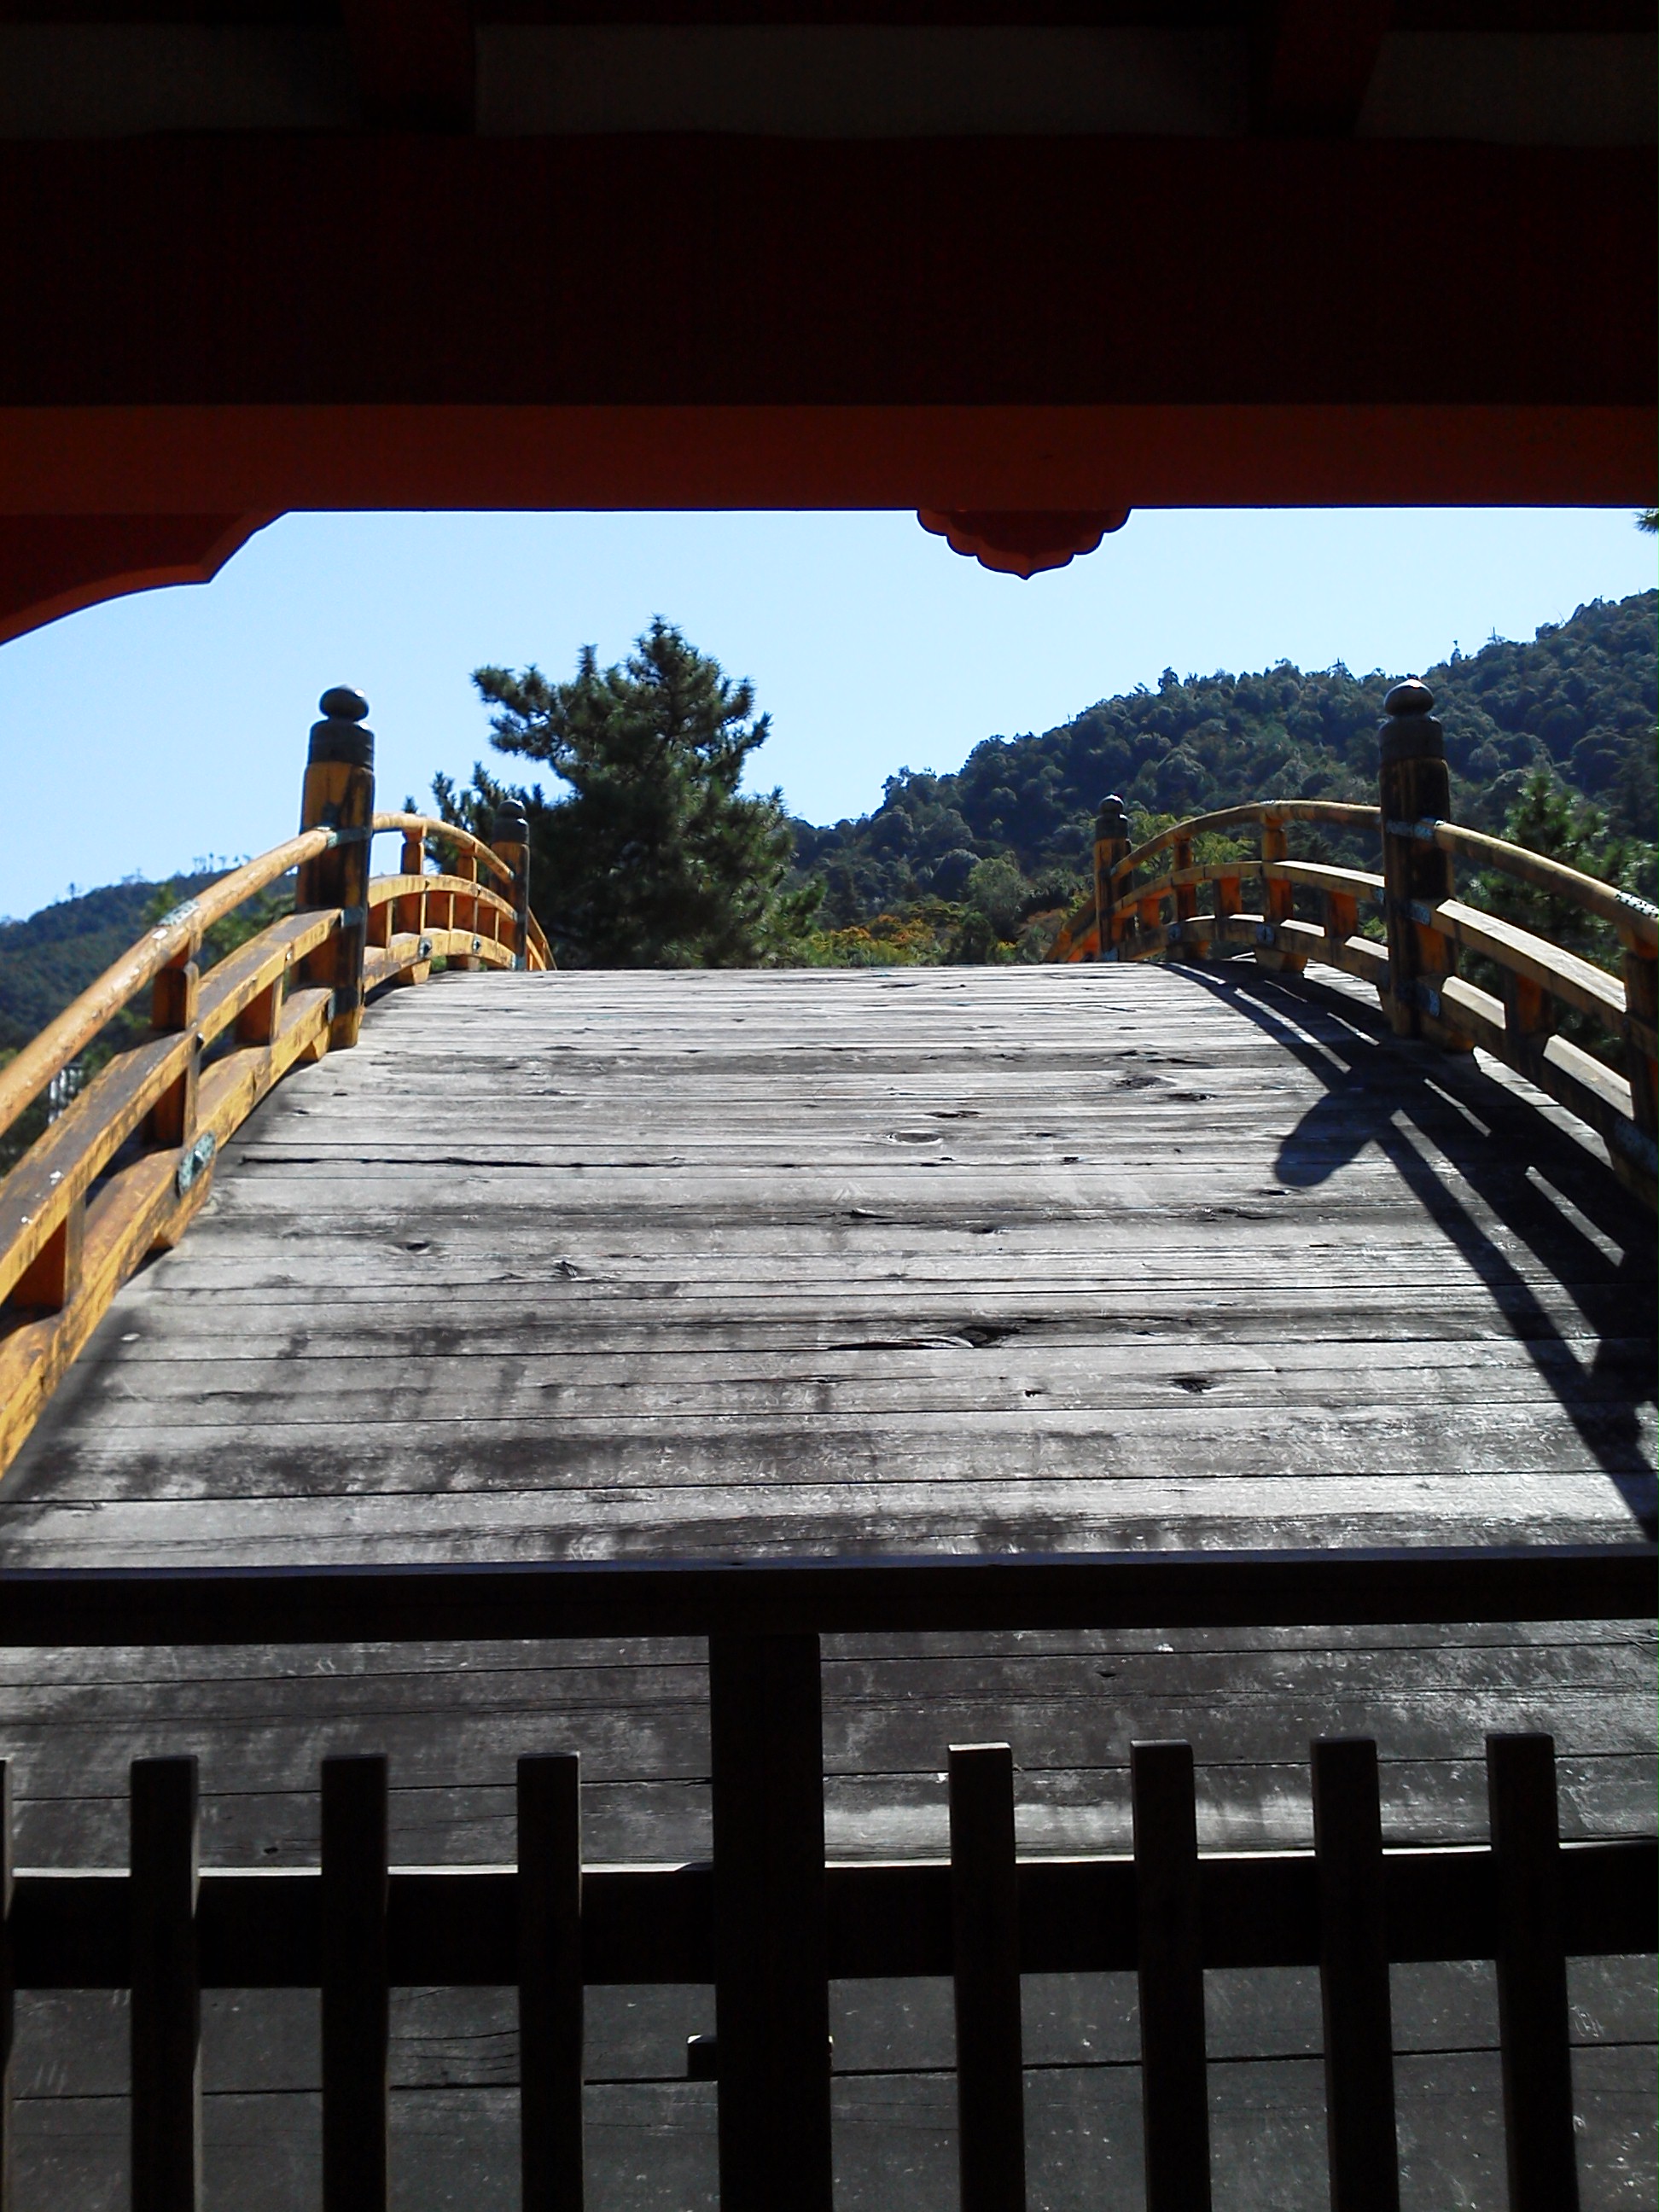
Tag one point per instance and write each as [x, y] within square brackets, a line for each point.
[770, 1924]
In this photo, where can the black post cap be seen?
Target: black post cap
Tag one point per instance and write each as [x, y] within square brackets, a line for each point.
[512, 826]
[342, 735]
[1410, 731]
[1113, 819]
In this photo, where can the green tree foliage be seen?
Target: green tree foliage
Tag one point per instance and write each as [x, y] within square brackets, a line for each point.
[654, 858]
[51, 958]
[47, 962]
[1548, 818]
[1578, 701]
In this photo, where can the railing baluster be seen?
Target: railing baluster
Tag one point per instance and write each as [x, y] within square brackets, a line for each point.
[411, 905]
[53, 1278]
[175, 1000]
[1111, 843]
[1413, 785]
[355, 2012]
[262, 1018]
[1532, 1974]
[1341, 919]
[464, 912]
[1229, 902]
[1527, 1020]
[985, 1929]
[1278, 898]
[1186, 894]
[1174, 2092]
[1640, 1008]
[1353, 1978]
[166, 2017]
[771, 1994]
[510, 841]
[550, 1982]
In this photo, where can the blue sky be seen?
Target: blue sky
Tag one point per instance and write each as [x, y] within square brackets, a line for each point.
[138, 736]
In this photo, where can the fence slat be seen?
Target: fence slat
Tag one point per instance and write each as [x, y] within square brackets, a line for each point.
[1353, 1977]
[550, 1982]
[771, 1990]
[1532, 1974]
[984, 1942]
[355, 2012]
[166, 2018]
[1175, 2102]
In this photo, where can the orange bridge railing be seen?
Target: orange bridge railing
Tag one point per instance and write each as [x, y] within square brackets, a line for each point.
[1146, 903]
[124, 1168]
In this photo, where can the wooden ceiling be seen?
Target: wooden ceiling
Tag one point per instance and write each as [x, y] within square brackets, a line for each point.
[950, 254]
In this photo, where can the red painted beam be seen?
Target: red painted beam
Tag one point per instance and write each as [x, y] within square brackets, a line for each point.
[67, 460]
[748, 272]
[215, 329]
[414, 62]
[1314, 64]
[56, 564]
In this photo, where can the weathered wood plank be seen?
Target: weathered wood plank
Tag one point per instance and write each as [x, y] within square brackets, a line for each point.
[591, 1264]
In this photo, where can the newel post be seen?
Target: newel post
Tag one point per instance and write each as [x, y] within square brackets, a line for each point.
[1111, 843]
[339, 795]
[1413, 786]
[510, 841]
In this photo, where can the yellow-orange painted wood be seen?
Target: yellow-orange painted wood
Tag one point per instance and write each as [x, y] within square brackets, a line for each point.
[140, 1208]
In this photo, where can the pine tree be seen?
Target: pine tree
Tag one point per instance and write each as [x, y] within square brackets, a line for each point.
[654, 858]
[1548, 817]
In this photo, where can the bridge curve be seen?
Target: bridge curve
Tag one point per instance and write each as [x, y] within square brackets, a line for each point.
[1144, 1351]
[733, 1265]
[672, 1264]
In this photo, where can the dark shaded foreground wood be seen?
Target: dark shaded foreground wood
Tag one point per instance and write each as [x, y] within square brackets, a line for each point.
[760, 1266]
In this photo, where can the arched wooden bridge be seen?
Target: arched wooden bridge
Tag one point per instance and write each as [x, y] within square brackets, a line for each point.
[1106, 1354]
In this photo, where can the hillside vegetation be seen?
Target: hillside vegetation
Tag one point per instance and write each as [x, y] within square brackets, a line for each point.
[960, 862]
[1552, 741]
[49, 960]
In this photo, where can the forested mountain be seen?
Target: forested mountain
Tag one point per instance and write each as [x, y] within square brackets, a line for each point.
[1016, 818]
[1579, 701]
[51, 958]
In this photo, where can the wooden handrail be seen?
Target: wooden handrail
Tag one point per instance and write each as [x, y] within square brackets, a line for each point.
[1632, 917]
[69, 1034]
[1339, 812]
[124, 1168]
[426, 825]
[1415, 977]
[463, 841]
[452, 1600]
[383, 888]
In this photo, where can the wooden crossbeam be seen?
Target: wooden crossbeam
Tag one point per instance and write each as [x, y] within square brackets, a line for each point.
[1314, 60]
[414, 60]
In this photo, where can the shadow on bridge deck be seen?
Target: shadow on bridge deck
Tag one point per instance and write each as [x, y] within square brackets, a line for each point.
[1521, 1172]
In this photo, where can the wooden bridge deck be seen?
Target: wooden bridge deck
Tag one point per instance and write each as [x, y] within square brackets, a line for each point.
[733, 1264]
